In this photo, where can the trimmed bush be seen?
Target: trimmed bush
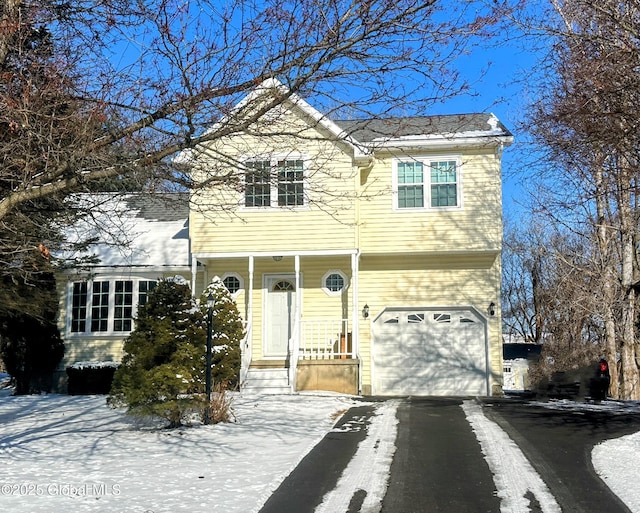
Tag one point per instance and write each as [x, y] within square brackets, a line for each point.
[90, 378]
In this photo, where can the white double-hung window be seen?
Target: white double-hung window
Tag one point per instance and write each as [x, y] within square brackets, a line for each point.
[427, 183]
[274, 183]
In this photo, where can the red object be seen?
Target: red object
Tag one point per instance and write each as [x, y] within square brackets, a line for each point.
[604, 367]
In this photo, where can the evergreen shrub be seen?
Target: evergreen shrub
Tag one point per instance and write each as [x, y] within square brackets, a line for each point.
[163, 370]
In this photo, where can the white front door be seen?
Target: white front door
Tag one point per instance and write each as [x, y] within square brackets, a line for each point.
[279, 314]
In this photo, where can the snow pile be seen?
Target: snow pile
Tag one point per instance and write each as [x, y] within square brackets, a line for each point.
[94, 365]
[616, 462]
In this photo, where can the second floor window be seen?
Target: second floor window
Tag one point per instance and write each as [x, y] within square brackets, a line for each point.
[274, 183]
[258, 184]
[427, 184]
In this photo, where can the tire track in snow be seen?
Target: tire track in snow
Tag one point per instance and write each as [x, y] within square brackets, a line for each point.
[517, 482]
[364, 482]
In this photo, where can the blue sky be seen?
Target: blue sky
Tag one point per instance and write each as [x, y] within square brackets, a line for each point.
[500, 90]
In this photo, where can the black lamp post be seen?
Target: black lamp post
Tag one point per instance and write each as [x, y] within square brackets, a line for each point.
[210, 304]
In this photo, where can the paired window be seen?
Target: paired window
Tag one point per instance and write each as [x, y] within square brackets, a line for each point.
[107, 305]
[427, 184]
[274, 183]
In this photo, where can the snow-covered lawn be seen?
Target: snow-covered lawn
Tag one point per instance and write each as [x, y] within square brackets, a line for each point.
[61, 454]
[74, 454]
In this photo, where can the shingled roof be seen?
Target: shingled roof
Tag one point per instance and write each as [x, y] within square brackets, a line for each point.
[135, 229]
[159, 206]
[371, 130]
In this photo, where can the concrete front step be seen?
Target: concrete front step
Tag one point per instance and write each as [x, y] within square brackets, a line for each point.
[267, 381]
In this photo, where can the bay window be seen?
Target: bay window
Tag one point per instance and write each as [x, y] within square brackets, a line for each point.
[109, 307]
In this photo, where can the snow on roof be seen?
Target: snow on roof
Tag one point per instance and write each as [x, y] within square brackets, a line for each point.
[136, 230]
[425, 127]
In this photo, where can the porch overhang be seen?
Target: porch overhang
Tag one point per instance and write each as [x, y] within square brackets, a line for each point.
[310, 375]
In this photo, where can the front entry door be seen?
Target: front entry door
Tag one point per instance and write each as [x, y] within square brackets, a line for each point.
[279, 312]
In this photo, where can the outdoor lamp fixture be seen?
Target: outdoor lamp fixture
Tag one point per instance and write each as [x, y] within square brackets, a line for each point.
[492, 308]
[210, 304]
[365, 312]
[277, 258]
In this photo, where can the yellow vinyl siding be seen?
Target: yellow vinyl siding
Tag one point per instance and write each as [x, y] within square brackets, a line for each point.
[220, 221]
[430, 281]
[316, 303]
[476, 226]
[83, 347]
[92, 349]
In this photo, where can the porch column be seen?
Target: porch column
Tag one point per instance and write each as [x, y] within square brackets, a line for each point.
[355, 299]
[298, 295]
[245, 350]
[250, 293]
[355, 329]
[194, 271]
[293, 363]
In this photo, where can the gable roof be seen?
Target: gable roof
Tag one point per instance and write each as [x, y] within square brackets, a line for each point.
[365, 135]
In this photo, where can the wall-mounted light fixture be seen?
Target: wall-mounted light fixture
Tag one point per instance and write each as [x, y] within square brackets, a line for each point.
[492, 308]
[277, 258]
[365, 312]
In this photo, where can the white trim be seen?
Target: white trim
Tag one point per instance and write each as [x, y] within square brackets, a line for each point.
[270, 254]
[355, 314]
[133, 270]
[194, 274]
[273, 159]
[111, 279]
[443, 142]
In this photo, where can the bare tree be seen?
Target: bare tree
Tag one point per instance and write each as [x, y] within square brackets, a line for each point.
[101, 94]
[548, 280]
[154, 78]
[586, 122]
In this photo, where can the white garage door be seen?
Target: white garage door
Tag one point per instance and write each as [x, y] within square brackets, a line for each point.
[429, 352]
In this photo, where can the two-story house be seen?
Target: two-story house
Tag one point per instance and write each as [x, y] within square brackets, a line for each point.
[364, 255]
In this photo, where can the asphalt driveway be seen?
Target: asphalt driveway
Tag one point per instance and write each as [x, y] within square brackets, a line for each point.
[558, 443]
[438, 465]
